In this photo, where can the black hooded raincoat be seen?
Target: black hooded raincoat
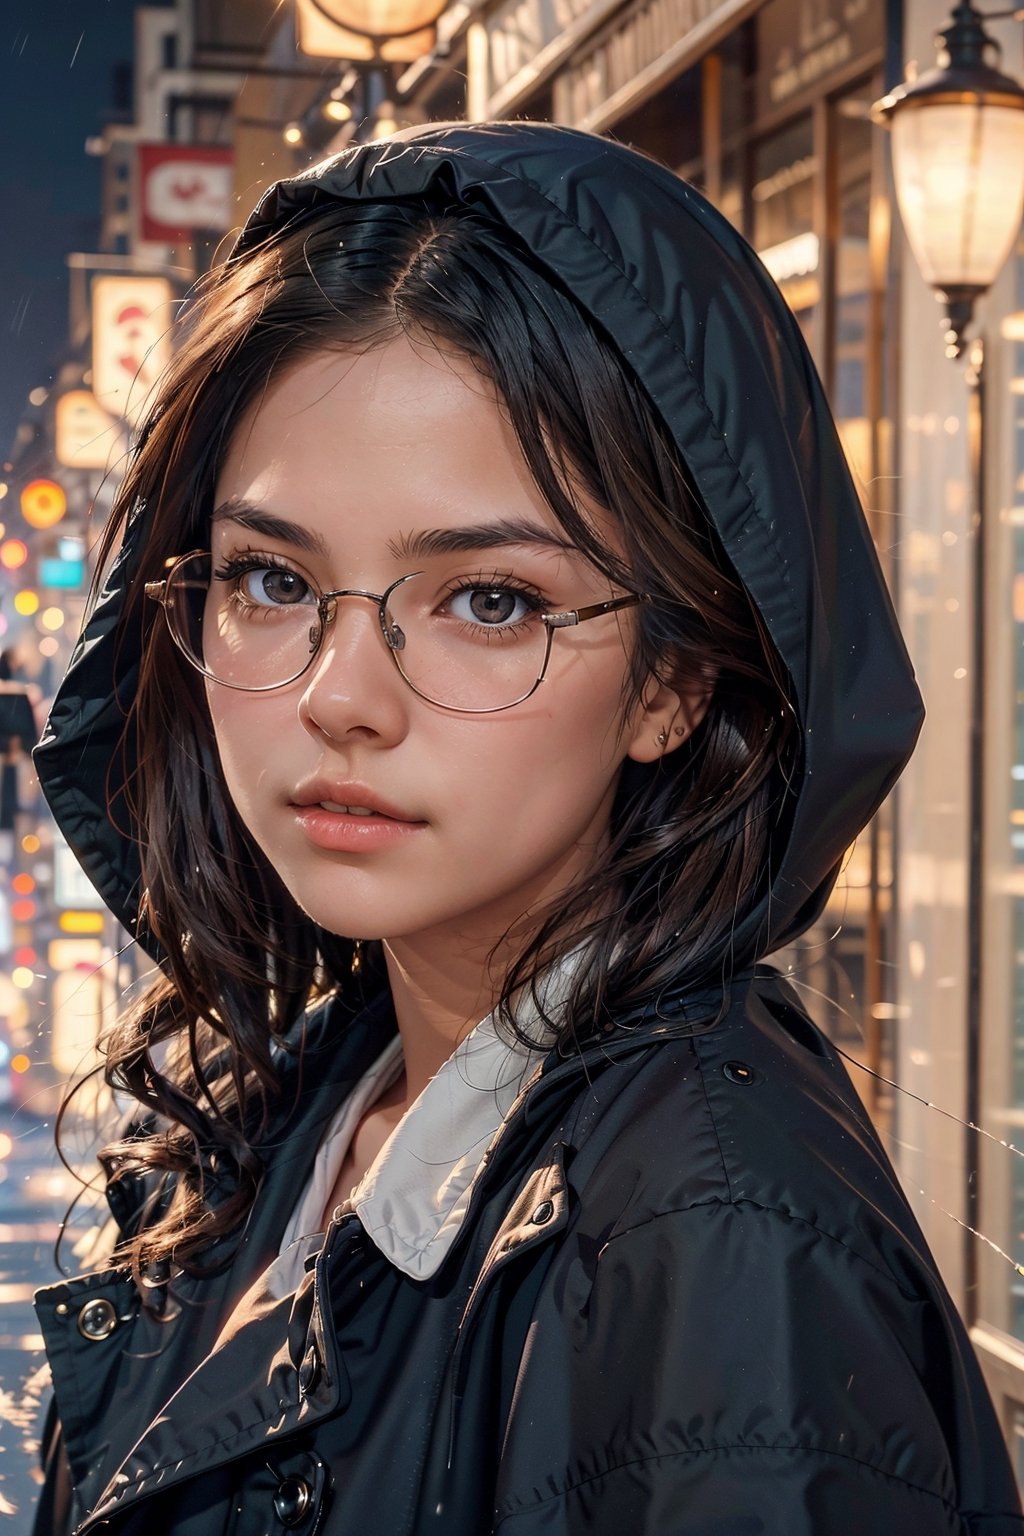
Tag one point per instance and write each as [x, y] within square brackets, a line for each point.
[689, 1296]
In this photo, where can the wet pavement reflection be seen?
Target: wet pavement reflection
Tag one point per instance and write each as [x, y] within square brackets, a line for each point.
[34, 1195]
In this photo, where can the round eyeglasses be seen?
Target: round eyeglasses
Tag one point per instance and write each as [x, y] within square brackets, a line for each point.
[465, 644]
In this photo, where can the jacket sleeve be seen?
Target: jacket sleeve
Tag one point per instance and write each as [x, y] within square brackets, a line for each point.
[728, 1370]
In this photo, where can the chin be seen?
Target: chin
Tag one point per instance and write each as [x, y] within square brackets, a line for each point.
[354, 920]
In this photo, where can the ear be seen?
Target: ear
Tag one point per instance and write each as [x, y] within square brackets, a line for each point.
[667, 716]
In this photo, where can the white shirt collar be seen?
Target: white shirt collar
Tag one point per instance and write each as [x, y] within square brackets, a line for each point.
[413, 1198]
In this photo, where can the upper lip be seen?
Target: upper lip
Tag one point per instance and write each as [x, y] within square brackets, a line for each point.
[317, 790]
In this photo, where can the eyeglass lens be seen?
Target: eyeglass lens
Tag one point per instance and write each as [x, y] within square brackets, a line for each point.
[458, 643]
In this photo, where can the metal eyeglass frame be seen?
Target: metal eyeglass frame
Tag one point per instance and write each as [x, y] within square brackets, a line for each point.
[326, 606]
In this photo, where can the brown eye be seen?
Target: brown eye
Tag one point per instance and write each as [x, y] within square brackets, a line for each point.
[269, 586]
[491, 606]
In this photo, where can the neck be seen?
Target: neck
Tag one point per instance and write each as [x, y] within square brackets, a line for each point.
[439, 994]
[445, 979]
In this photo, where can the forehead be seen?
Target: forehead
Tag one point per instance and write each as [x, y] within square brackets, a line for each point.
[350, 435]
[373, 446]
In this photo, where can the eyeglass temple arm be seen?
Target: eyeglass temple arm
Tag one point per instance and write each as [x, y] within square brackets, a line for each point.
[157, 590]
[580, 615]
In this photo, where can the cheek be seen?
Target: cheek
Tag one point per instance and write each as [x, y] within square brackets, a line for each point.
[539, 774]
[591, 722]
[241, 730]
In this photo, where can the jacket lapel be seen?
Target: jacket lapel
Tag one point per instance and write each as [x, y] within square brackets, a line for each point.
[274, 1369]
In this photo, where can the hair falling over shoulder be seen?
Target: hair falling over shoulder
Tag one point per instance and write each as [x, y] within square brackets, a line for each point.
[692, 835]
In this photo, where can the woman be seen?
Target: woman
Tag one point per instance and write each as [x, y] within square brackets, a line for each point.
[493, 668]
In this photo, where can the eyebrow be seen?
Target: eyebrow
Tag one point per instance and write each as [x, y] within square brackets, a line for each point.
[409, 546]
[453, 541]
[258, 520]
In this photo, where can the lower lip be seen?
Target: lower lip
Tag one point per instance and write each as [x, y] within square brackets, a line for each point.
[343, 833]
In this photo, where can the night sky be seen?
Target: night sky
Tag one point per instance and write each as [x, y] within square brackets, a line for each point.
[56, 64]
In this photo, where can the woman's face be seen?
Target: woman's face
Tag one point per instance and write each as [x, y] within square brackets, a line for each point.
[477, 818]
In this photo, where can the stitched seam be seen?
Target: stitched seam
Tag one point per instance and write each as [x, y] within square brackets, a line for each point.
[769, 1210]
[714, 1450]
[714, 1126]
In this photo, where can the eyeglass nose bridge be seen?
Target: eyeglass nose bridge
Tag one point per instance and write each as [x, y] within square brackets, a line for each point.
[327, 608]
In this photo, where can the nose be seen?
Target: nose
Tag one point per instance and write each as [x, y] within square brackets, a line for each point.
[354, 685]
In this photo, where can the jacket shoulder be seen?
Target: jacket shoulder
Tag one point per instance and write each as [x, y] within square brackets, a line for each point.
[747, 1314]
[758, 1112]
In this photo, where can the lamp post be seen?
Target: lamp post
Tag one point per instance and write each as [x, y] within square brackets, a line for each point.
[958, 164]
[958, 168]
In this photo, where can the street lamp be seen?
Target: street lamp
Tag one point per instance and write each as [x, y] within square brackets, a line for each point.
[958, 165]
[369, 31]
[371, 35]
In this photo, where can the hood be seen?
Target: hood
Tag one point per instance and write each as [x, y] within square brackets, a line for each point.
[704, 328]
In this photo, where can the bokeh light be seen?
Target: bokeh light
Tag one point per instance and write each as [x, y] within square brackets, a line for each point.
[52, 618]
[13, 552]
[43, 503]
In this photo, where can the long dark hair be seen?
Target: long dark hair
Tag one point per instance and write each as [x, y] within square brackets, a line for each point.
[691, 837]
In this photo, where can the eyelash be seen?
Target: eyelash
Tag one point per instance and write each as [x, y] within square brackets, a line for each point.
[251, 560]
[501, 580]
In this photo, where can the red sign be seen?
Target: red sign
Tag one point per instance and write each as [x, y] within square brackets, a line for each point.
[131, 342]
[184, 187]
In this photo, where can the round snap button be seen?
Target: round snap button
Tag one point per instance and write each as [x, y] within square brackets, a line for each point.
[292, 1501]
[309, 1370]
[97, 1319]
[739, 1072]
[543, 1213]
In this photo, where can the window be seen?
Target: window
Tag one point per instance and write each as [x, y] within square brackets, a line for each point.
[782, 208]
[1001, 1290]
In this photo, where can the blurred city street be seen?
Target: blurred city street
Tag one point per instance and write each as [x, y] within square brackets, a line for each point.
[34, 1194]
